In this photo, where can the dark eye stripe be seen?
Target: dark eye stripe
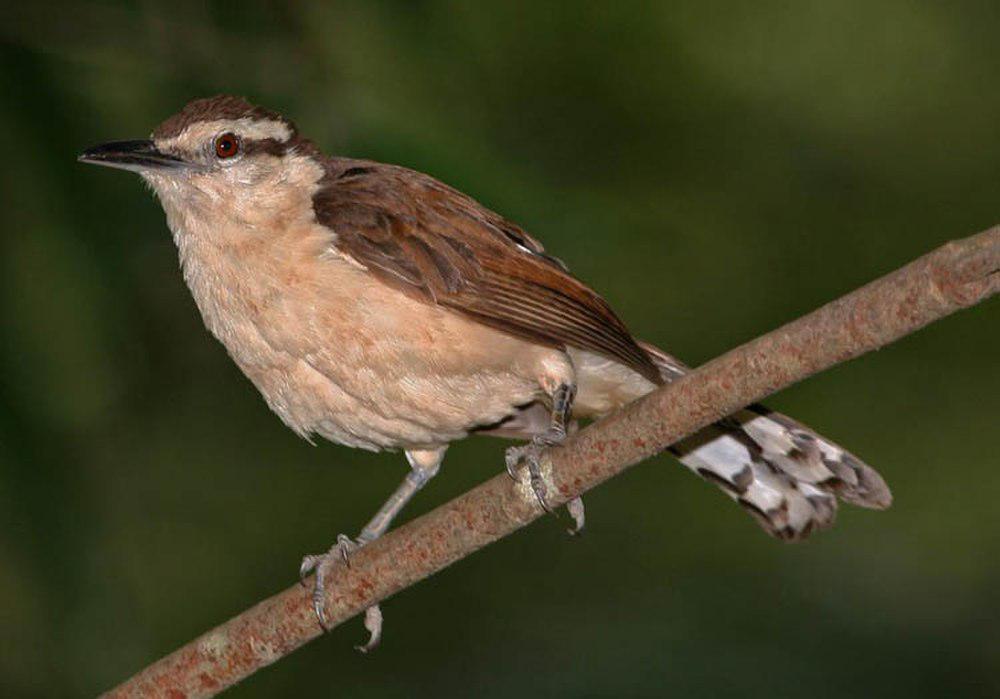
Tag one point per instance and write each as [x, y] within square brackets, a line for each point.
[271, 146]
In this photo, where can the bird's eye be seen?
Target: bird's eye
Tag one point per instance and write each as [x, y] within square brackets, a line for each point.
[227, 145]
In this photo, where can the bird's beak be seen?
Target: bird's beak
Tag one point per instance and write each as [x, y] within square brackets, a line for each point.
[138, 156]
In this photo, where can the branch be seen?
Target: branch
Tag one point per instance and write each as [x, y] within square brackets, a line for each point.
[957, 275]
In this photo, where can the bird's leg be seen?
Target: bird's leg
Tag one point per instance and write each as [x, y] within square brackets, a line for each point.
[530, 454]
[424, 465]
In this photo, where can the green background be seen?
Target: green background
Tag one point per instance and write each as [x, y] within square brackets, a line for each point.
[715, 169]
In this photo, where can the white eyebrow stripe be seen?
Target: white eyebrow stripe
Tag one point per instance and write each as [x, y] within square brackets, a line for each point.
[256, 129]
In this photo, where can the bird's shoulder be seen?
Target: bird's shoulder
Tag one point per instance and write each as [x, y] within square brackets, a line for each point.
[417, 204]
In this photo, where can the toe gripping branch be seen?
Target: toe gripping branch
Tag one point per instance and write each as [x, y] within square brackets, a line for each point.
[530, 454]
[322, 564]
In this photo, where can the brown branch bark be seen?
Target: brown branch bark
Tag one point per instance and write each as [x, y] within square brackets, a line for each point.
[955, 276]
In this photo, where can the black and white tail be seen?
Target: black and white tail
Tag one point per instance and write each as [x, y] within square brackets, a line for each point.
[780, 471]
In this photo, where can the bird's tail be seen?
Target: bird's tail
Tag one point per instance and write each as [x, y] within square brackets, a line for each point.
[780, 471]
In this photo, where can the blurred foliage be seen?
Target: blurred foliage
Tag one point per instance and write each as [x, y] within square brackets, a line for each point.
[715, 169]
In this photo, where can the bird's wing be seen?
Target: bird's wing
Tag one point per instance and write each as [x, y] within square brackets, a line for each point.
[443, 247]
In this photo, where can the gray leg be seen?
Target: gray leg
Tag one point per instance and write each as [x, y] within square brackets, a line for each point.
[424, 465]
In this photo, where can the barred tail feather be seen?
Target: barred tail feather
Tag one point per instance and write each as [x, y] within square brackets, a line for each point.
[781, 472]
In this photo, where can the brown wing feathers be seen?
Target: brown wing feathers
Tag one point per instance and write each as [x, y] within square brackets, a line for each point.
[435, 243]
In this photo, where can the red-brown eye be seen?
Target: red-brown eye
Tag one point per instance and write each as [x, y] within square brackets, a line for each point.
[227, 145]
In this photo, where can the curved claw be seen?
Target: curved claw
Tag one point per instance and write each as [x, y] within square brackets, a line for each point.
[512, 459]
[579, 515]
[540, 491]
[373, 622]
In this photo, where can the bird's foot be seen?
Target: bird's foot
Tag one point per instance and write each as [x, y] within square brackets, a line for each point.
[322, 564]
[530, 454]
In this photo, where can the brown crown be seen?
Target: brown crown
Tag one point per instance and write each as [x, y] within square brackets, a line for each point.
[213, 108]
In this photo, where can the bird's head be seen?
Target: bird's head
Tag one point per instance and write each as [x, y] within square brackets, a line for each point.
[219, 157]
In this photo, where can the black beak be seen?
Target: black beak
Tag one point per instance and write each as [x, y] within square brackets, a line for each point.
[137, 156]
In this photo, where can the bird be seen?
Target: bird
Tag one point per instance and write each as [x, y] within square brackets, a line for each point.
[376, 307]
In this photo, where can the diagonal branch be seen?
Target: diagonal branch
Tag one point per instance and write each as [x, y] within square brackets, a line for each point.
[955, 276]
